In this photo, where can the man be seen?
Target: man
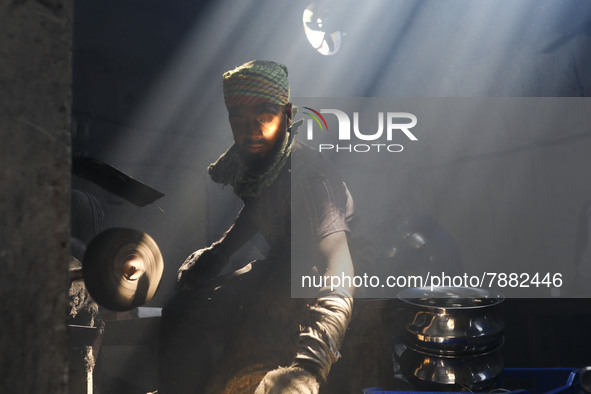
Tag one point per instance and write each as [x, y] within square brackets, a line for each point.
[249, 315]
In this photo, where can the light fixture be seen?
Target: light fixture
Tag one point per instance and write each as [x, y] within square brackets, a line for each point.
[321, 30]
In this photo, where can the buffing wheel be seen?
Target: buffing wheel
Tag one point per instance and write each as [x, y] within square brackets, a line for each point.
[122, 268]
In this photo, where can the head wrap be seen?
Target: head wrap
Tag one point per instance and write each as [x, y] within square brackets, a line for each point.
[256, 82]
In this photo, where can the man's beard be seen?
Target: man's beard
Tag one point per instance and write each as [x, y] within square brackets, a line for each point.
[257, 164]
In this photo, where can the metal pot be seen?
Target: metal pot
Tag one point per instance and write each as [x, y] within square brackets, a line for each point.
[429, 372]
[452, 321]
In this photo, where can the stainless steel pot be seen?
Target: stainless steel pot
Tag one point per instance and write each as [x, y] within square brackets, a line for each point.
[452, 321]
[450, 339]
[429, 372]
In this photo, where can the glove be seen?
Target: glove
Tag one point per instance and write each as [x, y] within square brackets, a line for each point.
[318, 346]
[290, 380]
[201, 266]
[321, 338]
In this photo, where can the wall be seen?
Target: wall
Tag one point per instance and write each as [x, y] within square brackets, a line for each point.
[35, 86]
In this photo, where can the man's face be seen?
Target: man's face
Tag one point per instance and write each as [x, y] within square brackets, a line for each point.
[257, 128]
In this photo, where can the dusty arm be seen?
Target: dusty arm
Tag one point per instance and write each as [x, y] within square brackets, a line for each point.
[322, 335]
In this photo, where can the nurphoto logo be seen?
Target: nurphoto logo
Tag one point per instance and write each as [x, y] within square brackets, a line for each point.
[396, 124]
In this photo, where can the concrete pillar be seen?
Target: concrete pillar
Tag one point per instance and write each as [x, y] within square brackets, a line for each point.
[35, 97]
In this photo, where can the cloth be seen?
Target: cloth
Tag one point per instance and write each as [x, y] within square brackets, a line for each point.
[291, 380]
[256, 82]
[321, 337]
[230, 169]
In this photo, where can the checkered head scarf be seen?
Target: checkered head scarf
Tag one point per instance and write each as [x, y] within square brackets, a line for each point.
[256, 82]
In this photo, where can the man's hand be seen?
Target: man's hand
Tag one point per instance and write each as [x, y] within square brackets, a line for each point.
[201, 266]
[291, 380]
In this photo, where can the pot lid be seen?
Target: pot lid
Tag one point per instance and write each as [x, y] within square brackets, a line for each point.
[450, 297]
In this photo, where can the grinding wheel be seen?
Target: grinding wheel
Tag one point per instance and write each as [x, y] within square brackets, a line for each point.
[122, 268]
